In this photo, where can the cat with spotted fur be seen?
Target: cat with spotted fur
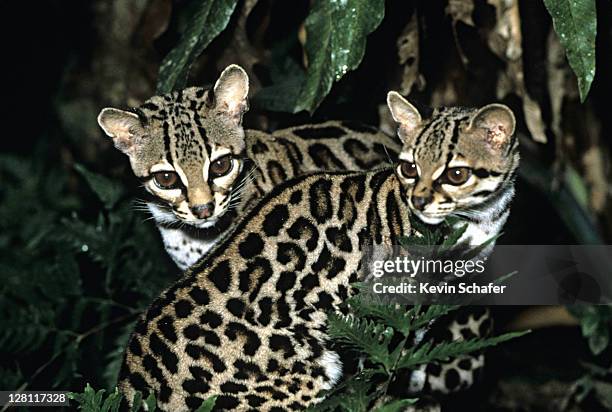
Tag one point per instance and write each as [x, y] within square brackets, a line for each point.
[247, 323]
[203, 170]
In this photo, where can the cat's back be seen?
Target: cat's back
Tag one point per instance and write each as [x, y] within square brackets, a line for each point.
[247, 321]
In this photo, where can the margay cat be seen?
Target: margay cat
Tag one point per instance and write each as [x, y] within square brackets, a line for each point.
[247, 322]
[194, 157]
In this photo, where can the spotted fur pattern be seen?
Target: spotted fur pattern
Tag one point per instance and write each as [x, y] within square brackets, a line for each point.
[186, 131]
[247, 322]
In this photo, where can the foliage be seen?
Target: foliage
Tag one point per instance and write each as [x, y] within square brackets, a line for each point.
[335, 43]
[370, 330]
[575, 22]
[91, 400]
[595, 322]
[72, 281]
[207, 19]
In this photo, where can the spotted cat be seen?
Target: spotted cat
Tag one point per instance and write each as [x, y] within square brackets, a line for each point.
[460, 162]
[203, 170]
[247, 322]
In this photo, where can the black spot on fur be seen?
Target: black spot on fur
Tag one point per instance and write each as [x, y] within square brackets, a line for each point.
[255, 401]
[296, 197]
[434, 369]
[276, 172]
[135, 347]
[451, 379]
[251, 246]
[309, 282]
[232, 387]
[192, 332]
[150, 365]
[283, 313]
[226, 402]
[320, 200]
[338, 237]
[265, 307]
[211, 337]
[252, 344]
[193, 402]
[301, 229]
[285, 281]
[199, 373]
[281, 343]
[330, 132]
[137, 381]
[330, 265]
[164, 393]
[263, 271]
[168, 358]
[183, 308]
[359, 127]
[272, 365]
[290, 252]
[275, 219]
[211, 319]
[324, 158]
[195, 386]
[465, 364]
[467, 333]
[325, 301]
[246, 370]
[235, 306]
[220, 276]
[199, 295]
[259, 147]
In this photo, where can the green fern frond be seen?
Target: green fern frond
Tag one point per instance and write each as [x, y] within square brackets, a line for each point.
[368, 336]
[428, 352]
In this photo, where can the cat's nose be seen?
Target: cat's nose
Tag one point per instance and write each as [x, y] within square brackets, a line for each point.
[203, 211]
[420, 202]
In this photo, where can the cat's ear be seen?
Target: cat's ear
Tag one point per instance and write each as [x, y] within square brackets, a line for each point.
[403, 112]
[231, 91]
[122, 126]
[496, 121]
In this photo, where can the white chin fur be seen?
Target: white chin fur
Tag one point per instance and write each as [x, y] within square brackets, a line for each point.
[430, 220]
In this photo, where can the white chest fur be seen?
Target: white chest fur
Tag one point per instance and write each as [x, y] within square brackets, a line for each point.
[184, 248]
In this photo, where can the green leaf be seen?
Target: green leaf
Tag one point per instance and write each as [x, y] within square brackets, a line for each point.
[336, 34]
[575, 22]
[207, 405]
[396, 406]
[150, 402]
[600, 338]
[108, 192]
[208, 20]
[370, 337]
[445, 350]
[454, 236]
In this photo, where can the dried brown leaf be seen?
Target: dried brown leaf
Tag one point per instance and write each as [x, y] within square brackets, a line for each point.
[240, 50]
[556, 69]
[408, 56]
[505, 41]
[595, 176]
[461, 10]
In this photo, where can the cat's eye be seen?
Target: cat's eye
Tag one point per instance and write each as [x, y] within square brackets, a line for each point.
[166, 180]
[221, 166]
[409, 170]
[457, 175]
